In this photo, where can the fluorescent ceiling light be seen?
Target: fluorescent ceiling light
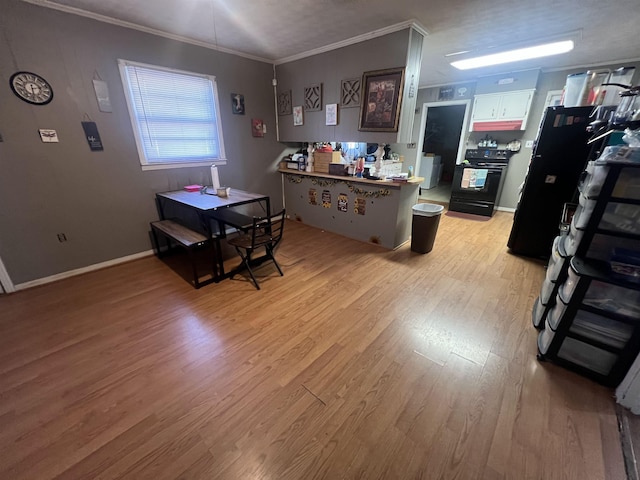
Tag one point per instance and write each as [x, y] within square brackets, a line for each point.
[537, 51]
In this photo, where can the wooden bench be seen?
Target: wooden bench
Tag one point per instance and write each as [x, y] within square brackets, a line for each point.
[186, 238]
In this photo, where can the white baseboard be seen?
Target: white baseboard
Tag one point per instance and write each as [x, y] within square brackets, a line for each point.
[79, 271]
[506, 209]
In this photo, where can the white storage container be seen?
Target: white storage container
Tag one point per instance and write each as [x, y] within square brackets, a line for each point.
[537, 314]
[583, 212]
[544, 339]
[545, 291]
[557, 260]
[572, 240]
[569, 285]
[596, 175]
[587, 356]
[555, 314]
[605, 330]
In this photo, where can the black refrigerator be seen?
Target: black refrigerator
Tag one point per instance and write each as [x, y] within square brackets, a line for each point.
[560, 155]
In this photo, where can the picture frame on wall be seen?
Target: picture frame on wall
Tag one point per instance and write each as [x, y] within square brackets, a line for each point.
[298, 116]
[257, 127]
[381, 101]
[331, 114]
[237, 104]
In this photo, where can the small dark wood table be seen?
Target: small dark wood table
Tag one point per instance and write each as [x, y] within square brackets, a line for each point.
[210, 207]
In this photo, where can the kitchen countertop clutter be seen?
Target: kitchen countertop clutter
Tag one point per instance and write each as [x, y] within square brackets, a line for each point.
[361, 161]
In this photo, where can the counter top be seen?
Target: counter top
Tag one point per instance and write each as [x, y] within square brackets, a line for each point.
[348, 178]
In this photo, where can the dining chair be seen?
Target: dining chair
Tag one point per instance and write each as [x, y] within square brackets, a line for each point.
[265, 232]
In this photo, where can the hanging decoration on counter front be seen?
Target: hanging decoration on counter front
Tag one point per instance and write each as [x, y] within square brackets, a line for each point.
[237, 103]
[326, 199]
[360, 206]
[343, 202]
[324, 183]
[382, 192]
[313, 196]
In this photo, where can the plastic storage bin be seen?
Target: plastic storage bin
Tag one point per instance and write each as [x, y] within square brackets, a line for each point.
[583, 212]
[557, 260]
[628, 184]
[596, 174]
[588, 356]
[604, 247]
[621, 217]
[426, 217]
[572, 241]
[555, 314]
[545, 338]
[538, 313]
[569, 285]
[602, 329]
[613, 298]
[546, 291]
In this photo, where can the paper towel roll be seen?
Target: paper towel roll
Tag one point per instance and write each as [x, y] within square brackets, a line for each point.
[215, 180]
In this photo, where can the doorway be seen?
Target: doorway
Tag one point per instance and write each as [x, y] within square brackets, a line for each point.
[442, 147]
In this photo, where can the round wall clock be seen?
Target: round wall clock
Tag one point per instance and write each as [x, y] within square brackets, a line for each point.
[31, 88]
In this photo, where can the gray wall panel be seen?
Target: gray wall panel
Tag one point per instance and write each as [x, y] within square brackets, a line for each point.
[330, 69]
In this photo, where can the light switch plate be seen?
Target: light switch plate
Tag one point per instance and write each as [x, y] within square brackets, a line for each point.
[528, 144]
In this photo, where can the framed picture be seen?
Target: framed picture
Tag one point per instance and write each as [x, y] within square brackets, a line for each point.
[331, 114]
[237, 103]
[298, 118]
[380, 109]
[257, 127]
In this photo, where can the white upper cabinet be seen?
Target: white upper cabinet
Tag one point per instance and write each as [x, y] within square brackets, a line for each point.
[501, 111]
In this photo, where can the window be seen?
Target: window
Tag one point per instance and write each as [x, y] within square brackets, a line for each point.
[175, 116]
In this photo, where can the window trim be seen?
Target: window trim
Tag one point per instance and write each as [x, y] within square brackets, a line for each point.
[146, 165]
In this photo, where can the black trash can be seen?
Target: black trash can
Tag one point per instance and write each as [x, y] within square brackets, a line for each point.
[426, 217]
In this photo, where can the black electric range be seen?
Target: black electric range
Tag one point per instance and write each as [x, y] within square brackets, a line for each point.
[477, 185]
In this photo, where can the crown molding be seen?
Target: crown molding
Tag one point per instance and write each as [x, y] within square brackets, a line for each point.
[140, 28]
[357, 39]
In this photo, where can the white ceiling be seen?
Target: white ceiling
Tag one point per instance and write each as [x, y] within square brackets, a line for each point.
[278, 29]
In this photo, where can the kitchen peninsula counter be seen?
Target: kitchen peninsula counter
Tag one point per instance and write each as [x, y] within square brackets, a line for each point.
[372, 211]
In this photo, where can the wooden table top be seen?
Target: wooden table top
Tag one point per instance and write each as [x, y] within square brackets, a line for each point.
[209, 201]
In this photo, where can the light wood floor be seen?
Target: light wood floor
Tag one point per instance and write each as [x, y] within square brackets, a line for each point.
[358, 363]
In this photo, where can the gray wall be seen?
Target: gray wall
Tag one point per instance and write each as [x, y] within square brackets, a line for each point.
[103, 201]
[330, 69]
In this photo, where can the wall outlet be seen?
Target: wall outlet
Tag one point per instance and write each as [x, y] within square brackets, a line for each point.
[62, 237]
[528, 144]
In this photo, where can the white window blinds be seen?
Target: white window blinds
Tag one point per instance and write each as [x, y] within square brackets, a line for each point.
[174, 114]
